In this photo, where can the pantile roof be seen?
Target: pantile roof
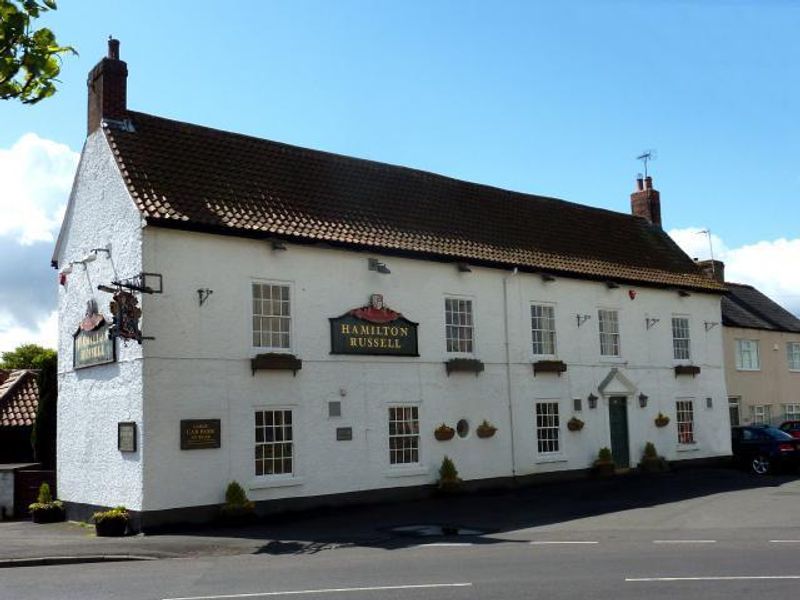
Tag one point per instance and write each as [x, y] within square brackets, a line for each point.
[192, 177]
[745, 306]
[19, 397]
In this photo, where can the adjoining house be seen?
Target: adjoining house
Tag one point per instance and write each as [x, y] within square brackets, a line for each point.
[305, 323]
[19, 399]
[762, 354]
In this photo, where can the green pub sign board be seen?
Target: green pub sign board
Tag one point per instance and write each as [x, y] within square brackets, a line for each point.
[373, 329]
[91, 344]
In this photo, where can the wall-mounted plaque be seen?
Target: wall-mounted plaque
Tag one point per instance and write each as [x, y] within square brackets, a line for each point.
[373, 329]
[197, 434]
[344, 434]
[91, 344]
[126, 437]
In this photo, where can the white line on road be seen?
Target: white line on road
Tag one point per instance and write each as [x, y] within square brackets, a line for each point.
[684, 541]
[551, 542]
[784, 541]
[418, 586]
[445, 545]
[721, 578]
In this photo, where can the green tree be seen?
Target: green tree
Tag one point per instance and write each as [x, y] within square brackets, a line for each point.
[43, 436]
[30, 59]
[27, 356]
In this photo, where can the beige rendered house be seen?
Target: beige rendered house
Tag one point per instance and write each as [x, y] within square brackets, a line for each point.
[762, 355]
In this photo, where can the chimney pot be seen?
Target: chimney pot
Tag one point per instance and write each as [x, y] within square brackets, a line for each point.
[648, 183]
[639, 184]
[113, 48]
[108, 89]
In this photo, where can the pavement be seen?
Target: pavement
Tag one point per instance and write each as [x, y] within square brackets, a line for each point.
[687, 499]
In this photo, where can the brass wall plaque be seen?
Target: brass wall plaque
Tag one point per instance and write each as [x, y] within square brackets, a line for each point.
[344, 434]
[197, 434]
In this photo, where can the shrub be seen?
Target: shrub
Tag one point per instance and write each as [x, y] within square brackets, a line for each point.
[45, 509]
[449, 481]
[605, 455]
[45, 497]
[650, 450]
[118, 513]
[238, 507]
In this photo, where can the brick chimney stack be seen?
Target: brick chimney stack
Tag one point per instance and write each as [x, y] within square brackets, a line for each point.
[713, 269]
[646, 201]
[108, 85]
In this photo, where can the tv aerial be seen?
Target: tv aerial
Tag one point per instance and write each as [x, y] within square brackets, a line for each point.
[646, 157]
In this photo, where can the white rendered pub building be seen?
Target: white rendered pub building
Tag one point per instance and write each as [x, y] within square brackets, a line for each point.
[305, 323]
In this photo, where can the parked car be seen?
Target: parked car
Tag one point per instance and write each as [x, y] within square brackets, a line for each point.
[791, 427]
[762, 448]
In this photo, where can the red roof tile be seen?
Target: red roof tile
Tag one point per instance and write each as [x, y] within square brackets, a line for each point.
[19, 398]
[192, 177]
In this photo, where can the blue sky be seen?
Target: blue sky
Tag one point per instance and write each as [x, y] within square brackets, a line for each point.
[553, 98]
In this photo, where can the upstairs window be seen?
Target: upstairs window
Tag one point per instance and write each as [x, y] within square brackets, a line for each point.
[459, 332]
[684, 416]
[747, 355]
[272, 317]
[793, 355]
[543, 329]
[680, 338]
[609, 332]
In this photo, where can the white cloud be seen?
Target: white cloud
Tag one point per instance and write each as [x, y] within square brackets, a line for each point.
[37, 177]
[44, 333]
[771, 266]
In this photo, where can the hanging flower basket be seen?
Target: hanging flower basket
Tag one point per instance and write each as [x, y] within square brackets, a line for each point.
[575, 424]
[485, 429]
[444, 433]
[661, 420]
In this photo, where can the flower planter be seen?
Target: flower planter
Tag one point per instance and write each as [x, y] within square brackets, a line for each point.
[444, 433]
[549, 366]
[603, 468]
[661, 420]
[485, 430]
[114, 527]
[575, 424]
[463, 365]
[48, 514]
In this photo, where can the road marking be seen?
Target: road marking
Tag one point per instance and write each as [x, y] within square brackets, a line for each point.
[445, 545]
[552, 542]
[784, 541]
[720, 578]
[418, 586]
[684, 541]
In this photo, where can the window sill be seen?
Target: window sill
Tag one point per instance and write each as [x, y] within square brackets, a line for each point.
[612, 359]
[265, 482]
[687, 447]
[543, 459]
[412, 471]
[748, 370]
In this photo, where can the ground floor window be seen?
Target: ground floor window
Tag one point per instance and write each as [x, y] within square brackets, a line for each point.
[762, 414]
[684, 416]
[547, 427]
[792, 412]
[403, 435]
[274, 448]
[733, 406]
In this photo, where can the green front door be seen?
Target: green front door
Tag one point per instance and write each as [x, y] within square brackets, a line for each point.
[618, 423]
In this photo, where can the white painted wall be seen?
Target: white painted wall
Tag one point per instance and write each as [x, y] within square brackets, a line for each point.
[93, 400]
[198, 367]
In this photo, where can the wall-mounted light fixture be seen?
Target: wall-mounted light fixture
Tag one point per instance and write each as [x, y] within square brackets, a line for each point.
[642, 400]
[592, 400]
[106, 249]
[375, 265]
[612, 285]
[582, 319]
[463, 267]
[650, 321]
[203, 294]
[547, 277]
[683, 293]
[66, 270]
[709, 325]
[278, 245]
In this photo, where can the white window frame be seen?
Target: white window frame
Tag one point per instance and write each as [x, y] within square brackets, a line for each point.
[280, 349]
[612, 333]
[549, 422]
[264, 475]
[740, 362]
[544, 333]
[791, 411]
[761, 414]
[735, 402]
[677, 338]
[413, 436]
[684, 415]
[793, 355]
[459, 326]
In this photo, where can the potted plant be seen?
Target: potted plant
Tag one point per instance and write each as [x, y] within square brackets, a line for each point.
[238, 508]
[485, 429]
[651, 462]
[111, 523]
[603, 465]
[449, 481]
[45, 509]
[444, 433]
[575, 424]
[661, 420]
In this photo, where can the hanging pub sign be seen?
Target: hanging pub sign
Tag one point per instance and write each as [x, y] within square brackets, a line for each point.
[91, 344]
[373, 329]
[126, 311]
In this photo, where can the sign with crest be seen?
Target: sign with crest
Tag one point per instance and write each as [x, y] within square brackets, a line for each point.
[126, 311]
[374, 329]
[91, 344]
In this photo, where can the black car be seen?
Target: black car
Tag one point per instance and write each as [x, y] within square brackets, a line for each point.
[761, 448]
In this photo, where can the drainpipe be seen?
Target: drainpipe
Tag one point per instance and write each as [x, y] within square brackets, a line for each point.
[508, 371]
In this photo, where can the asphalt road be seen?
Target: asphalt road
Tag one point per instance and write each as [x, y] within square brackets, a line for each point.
[740, 541]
